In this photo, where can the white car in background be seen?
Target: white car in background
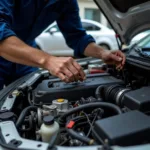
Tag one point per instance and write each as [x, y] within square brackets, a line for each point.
[52, 41]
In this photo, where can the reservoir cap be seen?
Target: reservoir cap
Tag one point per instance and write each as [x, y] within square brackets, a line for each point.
[48, 120]
[60, 100]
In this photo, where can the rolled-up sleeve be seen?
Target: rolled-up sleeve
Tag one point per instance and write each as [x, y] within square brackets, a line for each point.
[6, 19]
[70, 25]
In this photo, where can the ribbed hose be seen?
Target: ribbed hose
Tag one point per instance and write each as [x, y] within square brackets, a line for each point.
[62, 119]
[97, 92]
[23, 115]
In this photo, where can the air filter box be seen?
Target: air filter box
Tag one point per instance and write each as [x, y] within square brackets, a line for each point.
[138, 99]
[126, 129]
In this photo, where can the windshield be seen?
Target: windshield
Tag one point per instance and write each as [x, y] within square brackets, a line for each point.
[144, 43]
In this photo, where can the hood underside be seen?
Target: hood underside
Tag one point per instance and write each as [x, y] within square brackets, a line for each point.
[127, 17]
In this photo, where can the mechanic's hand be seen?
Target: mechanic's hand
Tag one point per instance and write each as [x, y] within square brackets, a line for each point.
[66, 68]
[114, 57]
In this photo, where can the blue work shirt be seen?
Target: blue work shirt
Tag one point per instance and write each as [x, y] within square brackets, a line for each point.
[26, 19]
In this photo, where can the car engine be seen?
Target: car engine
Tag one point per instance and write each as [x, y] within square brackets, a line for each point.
[109, 108]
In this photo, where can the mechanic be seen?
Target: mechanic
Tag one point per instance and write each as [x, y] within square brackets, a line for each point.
[22, 21]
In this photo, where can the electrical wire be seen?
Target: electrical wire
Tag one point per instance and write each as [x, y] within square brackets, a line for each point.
[64, 142]
[87, 119]
[90, 128]
[93, 130]
[92, 125]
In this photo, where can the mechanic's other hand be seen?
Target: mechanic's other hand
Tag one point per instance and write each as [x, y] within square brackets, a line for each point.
[114, 57]
[66, 68]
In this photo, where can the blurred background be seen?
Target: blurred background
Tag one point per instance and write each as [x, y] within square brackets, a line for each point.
[89, 10]
[93, 21]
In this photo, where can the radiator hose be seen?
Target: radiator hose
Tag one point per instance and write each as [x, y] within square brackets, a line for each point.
[23, 115]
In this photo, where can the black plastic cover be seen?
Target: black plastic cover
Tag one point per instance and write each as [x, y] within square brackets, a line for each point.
[53, 89]
[126, 129]
[138, 99]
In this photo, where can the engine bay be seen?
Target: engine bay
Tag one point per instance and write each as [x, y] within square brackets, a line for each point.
[111, 108]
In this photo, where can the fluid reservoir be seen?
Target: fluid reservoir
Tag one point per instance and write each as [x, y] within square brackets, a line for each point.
[49, 128]
[62, 105]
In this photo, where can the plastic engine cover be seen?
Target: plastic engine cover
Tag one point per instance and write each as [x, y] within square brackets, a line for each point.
[126, 129]
[53, 89]
[138, 99]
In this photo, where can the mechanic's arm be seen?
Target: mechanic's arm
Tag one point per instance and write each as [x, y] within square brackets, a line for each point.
[15, 50]
[83, 44]
[110, 57]
[11, 47]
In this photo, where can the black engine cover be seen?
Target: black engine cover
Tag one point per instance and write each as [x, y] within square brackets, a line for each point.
[138, 99]
[126, 129]
[52, 89]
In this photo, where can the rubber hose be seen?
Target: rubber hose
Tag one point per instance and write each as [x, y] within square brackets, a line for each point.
[97, 92]
[52, 142]
[62, 119]
[23, 115]
[79, 137]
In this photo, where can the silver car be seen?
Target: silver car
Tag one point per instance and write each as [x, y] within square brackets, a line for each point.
[52, 41]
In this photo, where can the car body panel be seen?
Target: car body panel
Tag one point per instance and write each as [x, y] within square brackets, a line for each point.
[126, 22]
[9, 128]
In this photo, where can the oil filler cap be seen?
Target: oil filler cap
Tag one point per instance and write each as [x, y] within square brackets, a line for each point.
[48, 120]
[60, 100]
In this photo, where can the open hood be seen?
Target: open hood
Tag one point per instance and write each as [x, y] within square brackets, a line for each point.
[127, 17]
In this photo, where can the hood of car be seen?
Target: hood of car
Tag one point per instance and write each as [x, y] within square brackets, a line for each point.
[127, 17]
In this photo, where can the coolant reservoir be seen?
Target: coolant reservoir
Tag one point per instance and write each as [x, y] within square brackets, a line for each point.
[62, 105]
[49, 128]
